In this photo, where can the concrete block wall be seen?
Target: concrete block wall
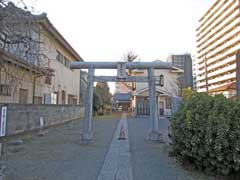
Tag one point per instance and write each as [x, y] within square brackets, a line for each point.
[23, 118]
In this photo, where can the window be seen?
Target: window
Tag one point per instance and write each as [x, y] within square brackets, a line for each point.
[72, 99]
[57, 97]
[67, 62]
[23, 96]
[62, 59]
[161, 80]
[168, 103]
[48, 80]
[38, 100]
[5, 90]
[58, 56]
[63, 97]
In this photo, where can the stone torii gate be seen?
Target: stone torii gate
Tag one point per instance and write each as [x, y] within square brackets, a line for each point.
[154, 133]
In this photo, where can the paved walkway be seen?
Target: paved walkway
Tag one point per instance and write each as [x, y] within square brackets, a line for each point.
[59, 156]
[150, 160]
[117, 164]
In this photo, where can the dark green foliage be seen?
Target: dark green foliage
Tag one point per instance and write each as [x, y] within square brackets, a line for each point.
[101, 98]
[206, 133]
[103, 90]
[97, 101]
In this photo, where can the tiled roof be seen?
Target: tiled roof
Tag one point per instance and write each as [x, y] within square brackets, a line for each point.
[122, 96]
[225, 87]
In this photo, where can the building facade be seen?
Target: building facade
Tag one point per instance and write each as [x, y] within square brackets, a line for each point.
[218, 41]
[83, 86]
[122, 87]
[122, 96]
[44, 79]
[184, 62]
[194, 68]
[122, 101]
[164, 92]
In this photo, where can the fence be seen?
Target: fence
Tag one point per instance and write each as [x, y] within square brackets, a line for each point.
[26, 117]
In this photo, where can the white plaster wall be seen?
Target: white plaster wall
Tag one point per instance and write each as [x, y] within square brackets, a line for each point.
[170, 81]
[63, 79]
[22, 80]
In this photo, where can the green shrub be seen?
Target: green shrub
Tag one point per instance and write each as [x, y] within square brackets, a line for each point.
[205, 132]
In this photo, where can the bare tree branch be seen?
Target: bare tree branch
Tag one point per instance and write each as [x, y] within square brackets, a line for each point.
[130, 56]
[20, 36]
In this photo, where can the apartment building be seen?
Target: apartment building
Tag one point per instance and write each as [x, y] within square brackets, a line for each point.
[218, 41]
[184, 62]
[194, 68]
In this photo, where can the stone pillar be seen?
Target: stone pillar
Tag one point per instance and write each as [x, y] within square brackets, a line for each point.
[154, 133]
[86, 134]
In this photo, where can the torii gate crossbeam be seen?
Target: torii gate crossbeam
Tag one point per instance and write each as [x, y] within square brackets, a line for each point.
[154, 133]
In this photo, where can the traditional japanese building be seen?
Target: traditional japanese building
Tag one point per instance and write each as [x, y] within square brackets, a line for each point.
[167, 86]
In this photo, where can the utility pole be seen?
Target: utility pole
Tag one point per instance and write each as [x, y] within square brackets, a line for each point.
[206, 73]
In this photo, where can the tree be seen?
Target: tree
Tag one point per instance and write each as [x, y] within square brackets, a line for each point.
[130, 56]
[20, 39]
[103, 90]
[101, 97]
[97, 102]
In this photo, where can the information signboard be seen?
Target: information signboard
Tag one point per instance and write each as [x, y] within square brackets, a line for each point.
[3, 120]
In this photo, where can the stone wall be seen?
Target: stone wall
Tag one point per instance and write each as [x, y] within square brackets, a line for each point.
[23, 118]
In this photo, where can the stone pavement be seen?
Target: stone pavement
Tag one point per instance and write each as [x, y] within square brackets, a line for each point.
[117, 164]
[150, 160]
[59, 156]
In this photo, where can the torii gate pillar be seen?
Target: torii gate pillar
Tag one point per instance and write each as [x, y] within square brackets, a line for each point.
[86, 134]
[154, 133]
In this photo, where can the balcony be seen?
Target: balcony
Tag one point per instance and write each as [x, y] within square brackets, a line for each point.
[212, 21]
[201, 65]
[232, 50]
[225, 61]
[220, 41]
[201, 72]
[222, 70]
[200, 78]
[224, 46]
[203, 23]
[201, 84]
[221, 29]
[222, 78]
[201, 89]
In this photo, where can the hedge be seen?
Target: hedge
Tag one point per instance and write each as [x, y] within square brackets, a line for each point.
[205, 132]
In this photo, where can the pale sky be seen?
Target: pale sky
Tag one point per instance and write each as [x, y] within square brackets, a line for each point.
[104, 30]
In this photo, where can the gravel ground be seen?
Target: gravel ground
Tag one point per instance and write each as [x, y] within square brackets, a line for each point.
[150, 160]
[58, 155]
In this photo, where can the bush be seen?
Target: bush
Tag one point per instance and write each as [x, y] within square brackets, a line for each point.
[205, 132]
